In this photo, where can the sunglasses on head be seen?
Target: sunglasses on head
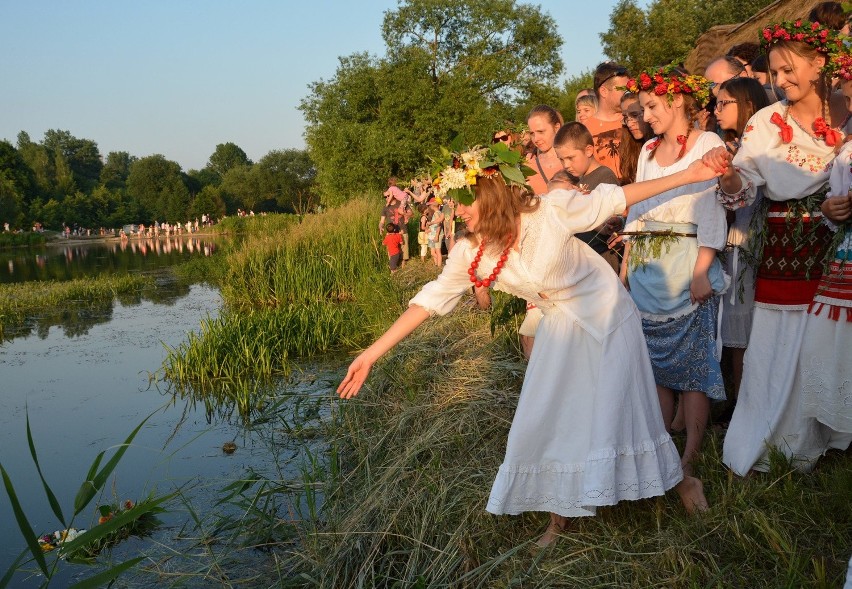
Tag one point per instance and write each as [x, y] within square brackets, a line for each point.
[619, 72]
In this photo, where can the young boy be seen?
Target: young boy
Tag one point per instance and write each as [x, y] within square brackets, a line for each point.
[576, 150]
[393, 243]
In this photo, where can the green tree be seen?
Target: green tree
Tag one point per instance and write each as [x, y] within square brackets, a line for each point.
[157, 184]
[116, 169]
[81, 156]
[667, 29]
[208, 202]
[285, 179]
[225, 157]
[452, 68]
[11, 200]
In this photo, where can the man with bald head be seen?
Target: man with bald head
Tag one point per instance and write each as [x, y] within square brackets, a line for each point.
[723, 69]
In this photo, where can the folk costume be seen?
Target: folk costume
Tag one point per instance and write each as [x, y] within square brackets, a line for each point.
[588, 430]
[824, 359]
[792, 166]
[681, 335]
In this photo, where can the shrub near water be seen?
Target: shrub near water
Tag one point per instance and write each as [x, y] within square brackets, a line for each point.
[302, 289]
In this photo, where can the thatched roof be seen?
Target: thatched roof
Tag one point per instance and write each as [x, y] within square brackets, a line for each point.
[717, 40]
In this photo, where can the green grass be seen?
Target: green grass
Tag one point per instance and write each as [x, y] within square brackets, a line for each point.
[393, 484]
[21, 301]
[26, 238]
[419, 449]
[290, 290]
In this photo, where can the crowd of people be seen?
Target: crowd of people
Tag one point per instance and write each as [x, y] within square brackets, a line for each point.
[680, 215]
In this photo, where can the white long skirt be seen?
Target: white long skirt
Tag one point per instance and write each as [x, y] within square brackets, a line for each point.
[768, 412]
[588, 430]
[827, 372]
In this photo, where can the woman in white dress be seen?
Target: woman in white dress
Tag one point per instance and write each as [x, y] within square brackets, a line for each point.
[676, 283]
[787, 149]
[587, 431]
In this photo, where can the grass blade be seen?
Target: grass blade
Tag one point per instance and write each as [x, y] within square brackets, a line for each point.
[106, 528]
[94, 482]
[51, 498]
[111, 574]
[4, 582]
[24, 524]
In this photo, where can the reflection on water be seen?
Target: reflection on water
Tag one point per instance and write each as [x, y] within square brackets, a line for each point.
[66, 261]
[76, 319]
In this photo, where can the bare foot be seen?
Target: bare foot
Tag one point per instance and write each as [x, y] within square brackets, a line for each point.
[553, 531]
[691, 491]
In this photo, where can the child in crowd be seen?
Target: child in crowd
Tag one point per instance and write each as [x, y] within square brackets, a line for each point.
[576, 151]
[396, 192]
[423, 234]
[739, 98]
[586, 106]
[636, 132]
[393, 243]
[670, 262]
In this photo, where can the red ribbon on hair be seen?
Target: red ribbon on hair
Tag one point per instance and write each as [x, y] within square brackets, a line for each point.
[824, 130]
[786, 132]
[681, 140]
[654, 144]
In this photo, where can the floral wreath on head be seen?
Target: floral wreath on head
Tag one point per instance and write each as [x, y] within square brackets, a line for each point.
[668, 81]
[456, 174]
[821, 38]
[841, 66]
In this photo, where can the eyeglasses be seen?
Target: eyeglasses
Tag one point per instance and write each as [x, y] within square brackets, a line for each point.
[720, 104]
[499, 138]
[619, 72]
[631, 116]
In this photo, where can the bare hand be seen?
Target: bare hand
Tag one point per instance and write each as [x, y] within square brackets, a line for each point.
[719, 159]
[699, 171]
[614, 240]
[355, 377]
[837, 208]
[700, 289]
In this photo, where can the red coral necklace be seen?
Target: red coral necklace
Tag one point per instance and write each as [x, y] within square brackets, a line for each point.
[494, 273]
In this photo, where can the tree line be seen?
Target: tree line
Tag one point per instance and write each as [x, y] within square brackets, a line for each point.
[450, 68]
[64, 180]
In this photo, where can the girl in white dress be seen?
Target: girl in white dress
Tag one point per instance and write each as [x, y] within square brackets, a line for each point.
[587, 431]
[787, 149]
[676, 283]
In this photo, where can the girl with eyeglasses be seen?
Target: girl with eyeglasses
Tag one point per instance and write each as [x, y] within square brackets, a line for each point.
[635, 133]
[738, 100]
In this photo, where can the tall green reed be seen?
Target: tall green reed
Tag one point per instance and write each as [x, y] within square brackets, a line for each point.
[88, 542]
[301, 289]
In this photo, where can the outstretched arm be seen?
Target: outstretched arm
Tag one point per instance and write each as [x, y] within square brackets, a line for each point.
[696, 172]
[360, 367]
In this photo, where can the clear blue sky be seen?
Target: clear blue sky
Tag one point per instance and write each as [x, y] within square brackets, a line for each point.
[177, 77]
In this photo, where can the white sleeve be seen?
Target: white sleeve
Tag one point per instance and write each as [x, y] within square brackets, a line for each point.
[753, 144]
[576, 212]
[840, 181]
[711, 221]
[440, 296]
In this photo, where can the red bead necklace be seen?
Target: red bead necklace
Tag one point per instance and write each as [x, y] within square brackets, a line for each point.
[496, 272]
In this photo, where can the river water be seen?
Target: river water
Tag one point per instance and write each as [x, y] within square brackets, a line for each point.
[86, 386]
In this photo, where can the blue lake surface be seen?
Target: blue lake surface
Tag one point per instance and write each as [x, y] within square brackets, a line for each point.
[85, 387]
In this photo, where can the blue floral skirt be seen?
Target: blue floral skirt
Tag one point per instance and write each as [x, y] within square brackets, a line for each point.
[683, 351]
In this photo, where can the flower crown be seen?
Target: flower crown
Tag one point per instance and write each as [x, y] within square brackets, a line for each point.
[457, 176]
[668, 81]
[814, 34]
[840, 65]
